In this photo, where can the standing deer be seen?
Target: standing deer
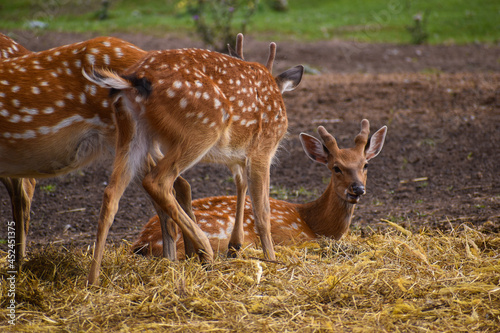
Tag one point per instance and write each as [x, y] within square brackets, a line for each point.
[53, 121]
[330, 215]
[20, 189]
[201, 106]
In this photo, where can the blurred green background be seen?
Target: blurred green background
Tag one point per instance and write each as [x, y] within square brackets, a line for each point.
[394, 21]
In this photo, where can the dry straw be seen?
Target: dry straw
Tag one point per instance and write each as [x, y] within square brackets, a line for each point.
[397, 281]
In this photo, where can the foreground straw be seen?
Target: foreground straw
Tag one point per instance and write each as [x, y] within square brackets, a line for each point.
[396, 281]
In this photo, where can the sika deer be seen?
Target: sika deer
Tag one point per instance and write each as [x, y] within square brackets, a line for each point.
[20, 189]
[201, 106]
[52, 120]
[330, 215]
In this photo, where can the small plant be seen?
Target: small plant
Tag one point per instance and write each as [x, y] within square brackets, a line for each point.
[418, 30]
[217, 22]
[48, 188]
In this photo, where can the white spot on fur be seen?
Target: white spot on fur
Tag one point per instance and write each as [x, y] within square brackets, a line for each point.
[183, 103]
[48, 110]
[83, 98]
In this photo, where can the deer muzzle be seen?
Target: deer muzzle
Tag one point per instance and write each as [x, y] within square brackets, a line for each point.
[355, 192]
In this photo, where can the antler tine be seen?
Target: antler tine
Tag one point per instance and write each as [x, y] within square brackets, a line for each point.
[328, 139]
[239, 45]
[362, 138]
[239, 48]
[272, 55]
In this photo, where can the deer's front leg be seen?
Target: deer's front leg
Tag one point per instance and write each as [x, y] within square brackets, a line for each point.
[259, 192]
[238, 234]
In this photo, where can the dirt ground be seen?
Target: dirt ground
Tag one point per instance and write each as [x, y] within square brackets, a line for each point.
[439, 168]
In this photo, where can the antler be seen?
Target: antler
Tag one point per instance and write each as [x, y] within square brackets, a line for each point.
[328, 139]
[362, 138]
[272, 55]
[239, 47]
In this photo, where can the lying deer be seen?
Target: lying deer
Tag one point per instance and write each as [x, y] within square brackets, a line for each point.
[201, 106]
[52, 120]
[330, 215]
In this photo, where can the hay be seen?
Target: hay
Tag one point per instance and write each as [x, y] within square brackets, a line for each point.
[396, 281]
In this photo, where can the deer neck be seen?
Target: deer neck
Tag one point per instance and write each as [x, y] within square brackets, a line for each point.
[328, 215]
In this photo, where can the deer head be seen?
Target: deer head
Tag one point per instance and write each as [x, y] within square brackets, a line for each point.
[349, 166]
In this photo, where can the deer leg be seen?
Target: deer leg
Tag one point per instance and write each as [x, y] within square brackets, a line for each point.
[168, 227]
[259, 192]
[159, 184]
[120, 178]
[238, 234]
[184, 198]
[21, 192]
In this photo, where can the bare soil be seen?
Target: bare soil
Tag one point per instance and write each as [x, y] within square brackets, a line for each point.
[439, 168]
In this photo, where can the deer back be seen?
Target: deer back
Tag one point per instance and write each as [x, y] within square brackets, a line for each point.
[9, 48]
[190, 94]
[52, 119]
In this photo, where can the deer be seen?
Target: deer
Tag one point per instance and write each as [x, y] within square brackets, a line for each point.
[200, 106]
[329, 216]
[20, 190]
[53, 121]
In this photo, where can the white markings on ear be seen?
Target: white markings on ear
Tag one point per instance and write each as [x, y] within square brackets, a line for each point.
[375, 143]
[290, 79]
[314, 149]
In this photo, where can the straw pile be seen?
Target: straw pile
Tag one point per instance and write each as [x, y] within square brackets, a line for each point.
[397, 281]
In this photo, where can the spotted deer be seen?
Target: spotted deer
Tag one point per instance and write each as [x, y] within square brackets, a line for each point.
[201, 106]
[20, 189]
[329, 215]
[52, 120]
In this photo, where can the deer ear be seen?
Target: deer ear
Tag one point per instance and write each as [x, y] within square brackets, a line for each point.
[375, 143]
[290, 79]
[314, 149]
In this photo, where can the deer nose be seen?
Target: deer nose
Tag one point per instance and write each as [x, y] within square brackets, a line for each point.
[358, 189]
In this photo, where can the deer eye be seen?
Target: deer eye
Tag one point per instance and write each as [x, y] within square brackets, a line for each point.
[365, 166]
[337, 170]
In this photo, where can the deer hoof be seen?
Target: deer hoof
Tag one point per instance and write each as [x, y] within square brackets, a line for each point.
[232, 250]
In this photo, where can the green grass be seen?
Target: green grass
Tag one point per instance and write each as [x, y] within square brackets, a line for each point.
[449, 21]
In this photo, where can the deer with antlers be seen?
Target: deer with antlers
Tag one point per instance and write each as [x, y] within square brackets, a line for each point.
[200, 106]
[53, 121]
[330, 215]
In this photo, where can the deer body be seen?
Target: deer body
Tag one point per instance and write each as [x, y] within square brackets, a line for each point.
[52, 120]
[20, 190]
[45, 102]
[329, 215]
[201, 106]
